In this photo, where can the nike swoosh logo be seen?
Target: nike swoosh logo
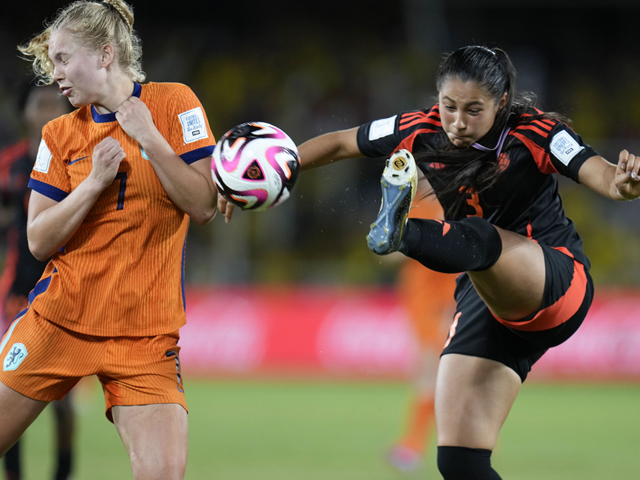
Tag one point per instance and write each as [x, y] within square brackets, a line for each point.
[77, 160]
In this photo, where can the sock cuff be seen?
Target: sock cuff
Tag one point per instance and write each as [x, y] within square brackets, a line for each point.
[410, 239]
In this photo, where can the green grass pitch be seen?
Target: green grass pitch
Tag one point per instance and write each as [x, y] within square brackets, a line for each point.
[292, 430]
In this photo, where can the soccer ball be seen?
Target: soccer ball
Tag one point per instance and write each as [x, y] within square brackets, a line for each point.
[255, 165]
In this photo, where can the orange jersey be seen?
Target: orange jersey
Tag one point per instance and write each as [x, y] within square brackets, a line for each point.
[121, 274]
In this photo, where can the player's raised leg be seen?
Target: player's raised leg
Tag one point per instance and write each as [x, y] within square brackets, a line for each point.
[155, 437]
[17, 412]
[507, 269]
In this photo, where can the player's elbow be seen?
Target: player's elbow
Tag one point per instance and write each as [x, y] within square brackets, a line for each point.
[38, 250]
[204, 216]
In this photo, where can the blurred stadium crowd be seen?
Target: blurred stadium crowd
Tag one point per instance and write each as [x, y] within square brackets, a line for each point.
[313, 67]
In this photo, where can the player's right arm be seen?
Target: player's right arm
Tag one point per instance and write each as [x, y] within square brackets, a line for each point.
[51, 223]
[318, 151]
[328, 148]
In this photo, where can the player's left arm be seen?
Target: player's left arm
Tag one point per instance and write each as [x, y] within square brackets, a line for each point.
[190, 187]
[619, 182]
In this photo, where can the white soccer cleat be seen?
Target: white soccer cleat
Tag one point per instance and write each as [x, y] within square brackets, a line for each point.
[399, 184]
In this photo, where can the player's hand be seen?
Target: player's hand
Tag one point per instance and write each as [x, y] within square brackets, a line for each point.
[627, 178]
[225, 208]
[106, 159]
[135, 119]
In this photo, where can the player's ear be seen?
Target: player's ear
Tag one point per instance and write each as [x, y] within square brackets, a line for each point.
[108, 55]
[503, 101]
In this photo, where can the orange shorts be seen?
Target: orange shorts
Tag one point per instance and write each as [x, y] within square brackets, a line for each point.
[43, 361]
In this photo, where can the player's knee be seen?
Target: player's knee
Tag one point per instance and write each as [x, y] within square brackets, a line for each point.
[485, 234]
[462, 463]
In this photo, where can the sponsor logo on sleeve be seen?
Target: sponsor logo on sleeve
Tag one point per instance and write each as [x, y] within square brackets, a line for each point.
[564, 146]
[17, 353]
[193, 125]
[43, 160]
[382, 128]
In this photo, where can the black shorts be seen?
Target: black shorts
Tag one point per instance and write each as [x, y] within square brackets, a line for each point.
[519, 344]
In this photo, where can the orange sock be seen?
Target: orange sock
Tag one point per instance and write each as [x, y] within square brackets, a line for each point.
[419, 423]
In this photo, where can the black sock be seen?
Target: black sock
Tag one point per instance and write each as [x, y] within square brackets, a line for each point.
[64, 463]
[12, 462]
[462, 463]
[471, 244]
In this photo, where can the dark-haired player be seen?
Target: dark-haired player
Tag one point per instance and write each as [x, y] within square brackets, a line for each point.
[489, 156]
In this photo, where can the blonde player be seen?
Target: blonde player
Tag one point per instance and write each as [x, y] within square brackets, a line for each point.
[489, 156]
[114, 185]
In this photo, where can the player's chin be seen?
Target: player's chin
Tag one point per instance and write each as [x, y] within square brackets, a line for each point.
[461, 142]
[77, 102]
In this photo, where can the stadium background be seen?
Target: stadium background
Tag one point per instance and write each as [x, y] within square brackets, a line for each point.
[267, 289]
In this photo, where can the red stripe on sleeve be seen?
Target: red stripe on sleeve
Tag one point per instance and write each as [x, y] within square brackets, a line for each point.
[418, 121]
[539, 155]
[407, 143]
[544, 125]
[409, 119]
[411, 116]
[535, 129]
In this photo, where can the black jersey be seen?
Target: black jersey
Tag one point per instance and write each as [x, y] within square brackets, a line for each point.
[22, 270]
[525, 198]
